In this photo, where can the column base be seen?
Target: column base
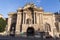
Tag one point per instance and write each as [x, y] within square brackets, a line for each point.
[17, 33]
[8, 32]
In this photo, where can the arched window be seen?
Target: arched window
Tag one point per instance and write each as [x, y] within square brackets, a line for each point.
[28, 21]
[57, 26]
[47, 27]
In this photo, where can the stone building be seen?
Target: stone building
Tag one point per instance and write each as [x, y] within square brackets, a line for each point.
[30, 16]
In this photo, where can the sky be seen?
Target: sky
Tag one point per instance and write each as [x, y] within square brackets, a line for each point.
[7, 6]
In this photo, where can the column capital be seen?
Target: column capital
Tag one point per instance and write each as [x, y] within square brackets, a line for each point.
[19, 12]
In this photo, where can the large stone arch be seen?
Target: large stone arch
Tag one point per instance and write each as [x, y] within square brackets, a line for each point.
[30, 31]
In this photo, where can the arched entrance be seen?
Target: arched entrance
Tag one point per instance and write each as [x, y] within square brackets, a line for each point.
[30, 31]
[12, 29]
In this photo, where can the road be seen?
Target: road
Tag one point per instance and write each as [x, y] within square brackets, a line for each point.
[25, 38]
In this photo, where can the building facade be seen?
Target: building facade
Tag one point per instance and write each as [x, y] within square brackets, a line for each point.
[32, 16]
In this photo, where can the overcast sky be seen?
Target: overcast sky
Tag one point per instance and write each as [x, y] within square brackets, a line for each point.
[7, 6]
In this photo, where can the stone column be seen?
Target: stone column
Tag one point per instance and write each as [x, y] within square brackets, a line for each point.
[18, 23]
[41, 22]
[59, 27]
[23, 17]
[53, 25]
[39, 19]
[9, 23]
[34, 18]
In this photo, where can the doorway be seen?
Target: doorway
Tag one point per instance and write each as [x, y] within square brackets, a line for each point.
[12, 29]
[30, 31]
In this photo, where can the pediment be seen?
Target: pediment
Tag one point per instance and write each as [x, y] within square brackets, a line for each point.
[33, 6]
[27, 6]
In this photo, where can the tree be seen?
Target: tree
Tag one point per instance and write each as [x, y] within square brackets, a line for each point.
[2, 25]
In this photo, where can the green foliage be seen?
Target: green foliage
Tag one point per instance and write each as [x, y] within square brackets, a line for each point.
[2, 24]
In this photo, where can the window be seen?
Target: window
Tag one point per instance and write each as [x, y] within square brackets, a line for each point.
[28, 21]
[57, 26]
[47, 27]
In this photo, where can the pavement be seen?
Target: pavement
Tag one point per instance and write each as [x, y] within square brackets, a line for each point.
[24, 37]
